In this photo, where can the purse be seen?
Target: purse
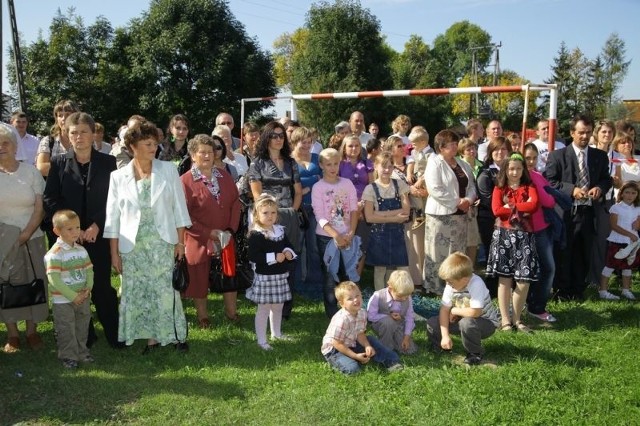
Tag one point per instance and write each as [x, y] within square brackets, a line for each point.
[303, 218]
[180, 279]
[22, 295]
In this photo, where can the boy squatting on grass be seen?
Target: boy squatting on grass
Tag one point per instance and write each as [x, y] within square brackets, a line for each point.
[466, 309]
[70, 273]
[390, 312]
[345, 345]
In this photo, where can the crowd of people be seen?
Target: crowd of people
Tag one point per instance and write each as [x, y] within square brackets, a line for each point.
[308, 217]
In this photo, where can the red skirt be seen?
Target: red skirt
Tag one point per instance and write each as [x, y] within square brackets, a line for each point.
[619, 264]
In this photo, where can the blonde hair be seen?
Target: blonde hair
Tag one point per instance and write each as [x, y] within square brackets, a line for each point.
[418, 133]
[344, 288]
[456, 266]
[401, 283]
[399, 121]
[327, 154]
[391, 142]
[298, 135]
[345, 141]
[62, 217]
[264, 200]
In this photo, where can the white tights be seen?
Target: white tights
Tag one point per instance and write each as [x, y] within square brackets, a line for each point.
[272, 312]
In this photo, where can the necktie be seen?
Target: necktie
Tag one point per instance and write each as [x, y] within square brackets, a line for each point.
[583, 175]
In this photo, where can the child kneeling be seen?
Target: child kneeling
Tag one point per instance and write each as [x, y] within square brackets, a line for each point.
[466, 309]
[345, 345]
[390, 312]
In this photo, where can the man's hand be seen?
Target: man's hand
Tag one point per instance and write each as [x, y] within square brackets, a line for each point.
[446, 343]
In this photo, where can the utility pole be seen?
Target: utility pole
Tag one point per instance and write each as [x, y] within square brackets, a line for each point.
[495, 48]
[17, 57]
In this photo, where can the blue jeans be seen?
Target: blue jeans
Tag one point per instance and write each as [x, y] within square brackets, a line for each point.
[329, 285]
[347, 365]
[539, 292]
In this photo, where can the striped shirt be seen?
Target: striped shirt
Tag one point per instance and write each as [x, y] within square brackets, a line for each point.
[69, 270]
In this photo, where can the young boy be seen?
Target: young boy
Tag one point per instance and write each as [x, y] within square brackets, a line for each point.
[416, 166]
[466, 309]
[390, 311]
[70, 275]
[345, 345]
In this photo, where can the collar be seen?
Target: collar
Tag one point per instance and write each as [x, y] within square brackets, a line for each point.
[64, 245]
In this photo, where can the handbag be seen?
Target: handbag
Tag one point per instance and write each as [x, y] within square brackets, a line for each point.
[180, 279]
[303, 218]
[21, 295]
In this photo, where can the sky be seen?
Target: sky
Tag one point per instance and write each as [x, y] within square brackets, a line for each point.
[530, 30]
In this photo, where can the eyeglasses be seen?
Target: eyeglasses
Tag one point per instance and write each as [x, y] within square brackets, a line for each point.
[277, 135]
[217, 147]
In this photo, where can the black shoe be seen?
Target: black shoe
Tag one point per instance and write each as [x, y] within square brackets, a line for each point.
[473, 359]
[149, 348]
[118, 345]
[182, 347]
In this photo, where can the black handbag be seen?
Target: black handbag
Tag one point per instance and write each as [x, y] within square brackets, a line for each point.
[180, 275]
[303, 218]
[22, 295]
[220, 283]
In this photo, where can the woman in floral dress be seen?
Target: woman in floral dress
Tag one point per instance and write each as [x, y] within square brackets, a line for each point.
[146, 220]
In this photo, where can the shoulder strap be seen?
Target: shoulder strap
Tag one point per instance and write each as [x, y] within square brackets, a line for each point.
[395, 186]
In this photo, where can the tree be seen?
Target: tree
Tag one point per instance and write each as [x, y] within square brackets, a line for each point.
[194, 57]
[614, 66]
[286, 47]
[344, 52]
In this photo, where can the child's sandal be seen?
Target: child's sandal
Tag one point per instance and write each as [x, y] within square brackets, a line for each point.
[506, 327]
[522, 327]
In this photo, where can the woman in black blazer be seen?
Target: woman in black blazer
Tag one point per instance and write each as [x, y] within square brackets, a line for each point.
[79, 181]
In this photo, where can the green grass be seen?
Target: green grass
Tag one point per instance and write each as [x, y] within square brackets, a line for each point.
[584, 369]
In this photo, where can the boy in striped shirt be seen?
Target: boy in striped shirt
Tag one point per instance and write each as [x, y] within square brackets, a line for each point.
[70, 275]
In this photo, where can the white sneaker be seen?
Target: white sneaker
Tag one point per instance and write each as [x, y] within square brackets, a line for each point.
[605, 295]
[282, 337]
[395, 367]
[626, 293]
[625, 252]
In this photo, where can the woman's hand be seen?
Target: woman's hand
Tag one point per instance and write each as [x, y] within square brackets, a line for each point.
[90, 234]
[116, 262]
[464, 205]
[178, 251]
[23, 237]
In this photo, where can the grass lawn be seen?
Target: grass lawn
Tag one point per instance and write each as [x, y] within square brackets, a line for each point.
[584, 369]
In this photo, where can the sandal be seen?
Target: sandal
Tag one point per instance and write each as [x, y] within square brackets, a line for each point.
[235, 318]
[506, 327]
[35, 342]
[522, 327]
[12, 346]
[204, 323]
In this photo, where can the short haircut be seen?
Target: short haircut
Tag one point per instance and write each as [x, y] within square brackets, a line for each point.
[341, 126]
[250, 127]
[140, 131]
[345, 141]
[464, 144]
[391, 141]
[174, 120]
[621, 137]
[328, 154]
[399, 121]
[220, 128]
[456, 266]
[344, 288]
[401, 283]
[18, 114]
[299, 134]
[586, 119]
[604, 123]
[627, 185]
[197, 141]
[531, 147]
[99, 128]
[383, 158]
[625, 126]
[62, 217]
[418, 133]
[471, 125]
[443, 137]
[9, 132]
[80, 118]
[494, 144]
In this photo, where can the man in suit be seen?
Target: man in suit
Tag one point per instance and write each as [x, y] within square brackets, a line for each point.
[582, 173]
[80, 182]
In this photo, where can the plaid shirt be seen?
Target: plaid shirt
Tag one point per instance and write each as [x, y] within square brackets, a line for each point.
[345, 328]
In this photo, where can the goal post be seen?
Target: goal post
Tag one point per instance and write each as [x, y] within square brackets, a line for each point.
[551, 88]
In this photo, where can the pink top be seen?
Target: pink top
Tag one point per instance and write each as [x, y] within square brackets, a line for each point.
[333, 203]
[544, 200]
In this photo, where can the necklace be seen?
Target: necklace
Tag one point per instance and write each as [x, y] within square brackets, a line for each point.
[10, 170]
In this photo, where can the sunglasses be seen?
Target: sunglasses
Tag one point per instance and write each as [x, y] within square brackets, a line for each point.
[277, 135]
[217, 148]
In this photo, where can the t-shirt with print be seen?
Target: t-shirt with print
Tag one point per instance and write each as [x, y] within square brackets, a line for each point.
[475, 295]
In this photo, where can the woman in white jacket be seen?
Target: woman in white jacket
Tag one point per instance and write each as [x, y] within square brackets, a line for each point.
[452, 191]
[146, 218]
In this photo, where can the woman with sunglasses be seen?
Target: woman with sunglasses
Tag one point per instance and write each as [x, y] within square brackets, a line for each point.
[274, 172]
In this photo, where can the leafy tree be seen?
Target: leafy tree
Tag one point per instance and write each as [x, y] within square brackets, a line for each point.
[344, 52]
[194, 57]
[286, 47]
[614, 66]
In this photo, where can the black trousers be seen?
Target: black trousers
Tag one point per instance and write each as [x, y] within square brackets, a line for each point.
[575, 259]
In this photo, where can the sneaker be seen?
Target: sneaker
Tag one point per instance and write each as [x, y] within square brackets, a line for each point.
[626, 251]
[88, 359]
[605, 295]
[282, 337]
[70, 364]
[265, 346]
[473, 359]
[395, 367]
[545, 316]
[626, 293]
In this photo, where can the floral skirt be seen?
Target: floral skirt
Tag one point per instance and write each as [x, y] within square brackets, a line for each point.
[513, 254]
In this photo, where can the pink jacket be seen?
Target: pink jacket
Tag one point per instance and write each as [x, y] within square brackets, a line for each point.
[544, 200]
